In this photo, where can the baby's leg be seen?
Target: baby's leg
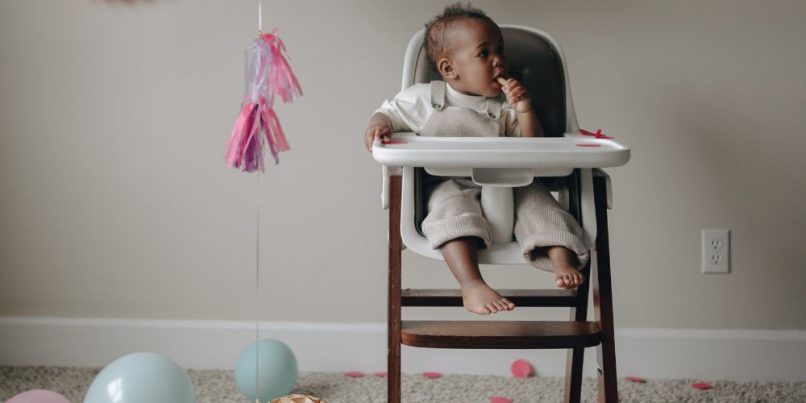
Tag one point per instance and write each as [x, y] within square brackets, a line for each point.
[456, 226]
[461, 255]
[550, 237]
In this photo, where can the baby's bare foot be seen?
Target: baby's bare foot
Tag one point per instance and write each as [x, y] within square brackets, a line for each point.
[479, 298]
[568, 277]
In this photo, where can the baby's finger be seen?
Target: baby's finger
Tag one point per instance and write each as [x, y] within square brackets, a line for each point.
[368, 140]
[382, 133]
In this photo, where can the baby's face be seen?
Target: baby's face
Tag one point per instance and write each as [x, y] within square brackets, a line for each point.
[477, 51]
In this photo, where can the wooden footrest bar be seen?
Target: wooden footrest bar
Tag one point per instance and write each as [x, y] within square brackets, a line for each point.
[500, 334]
[521, 298]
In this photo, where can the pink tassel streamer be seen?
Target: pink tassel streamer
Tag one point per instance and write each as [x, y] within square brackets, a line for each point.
[282, 80]
[268, 74]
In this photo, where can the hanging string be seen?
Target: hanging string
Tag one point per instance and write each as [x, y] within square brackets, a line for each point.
[257, 291]
[260, 16]
[258, 399]
[257, 247]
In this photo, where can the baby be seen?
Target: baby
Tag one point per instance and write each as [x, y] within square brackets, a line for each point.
[467, 49]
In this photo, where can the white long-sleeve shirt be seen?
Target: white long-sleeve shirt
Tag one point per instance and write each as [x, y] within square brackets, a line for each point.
[411, 108]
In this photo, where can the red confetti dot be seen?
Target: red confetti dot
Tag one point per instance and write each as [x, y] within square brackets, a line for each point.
[635, 379]
[354, 374]
[701, 385]
[381, 374]
[432, 375]
[521, 369]
[500, 399]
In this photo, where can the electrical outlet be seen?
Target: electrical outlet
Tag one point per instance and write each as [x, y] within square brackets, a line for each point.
[715, 251]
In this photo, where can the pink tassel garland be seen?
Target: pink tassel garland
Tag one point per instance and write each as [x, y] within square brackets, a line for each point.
[268, 74]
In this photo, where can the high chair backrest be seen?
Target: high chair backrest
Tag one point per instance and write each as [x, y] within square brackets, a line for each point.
[533, 58]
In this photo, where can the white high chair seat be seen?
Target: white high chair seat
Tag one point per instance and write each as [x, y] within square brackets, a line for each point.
[496, 163]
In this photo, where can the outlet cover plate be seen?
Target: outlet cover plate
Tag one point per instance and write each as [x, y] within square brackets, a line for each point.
[715, 251]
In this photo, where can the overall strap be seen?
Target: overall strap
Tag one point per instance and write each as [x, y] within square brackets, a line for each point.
[493, 107]
[438, 94]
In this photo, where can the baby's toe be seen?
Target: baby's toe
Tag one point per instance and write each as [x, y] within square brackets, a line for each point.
[508, 304]
[564, 281]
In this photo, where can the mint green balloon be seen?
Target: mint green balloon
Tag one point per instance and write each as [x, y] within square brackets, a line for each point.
[141, 378]
[277, 370]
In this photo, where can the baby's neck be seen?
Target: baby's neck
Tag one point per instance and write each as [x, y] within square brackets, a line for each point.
[458, 87]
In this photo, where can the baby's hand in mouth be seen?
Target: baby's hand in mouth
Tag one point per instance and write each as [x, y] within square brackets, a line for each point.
[516, 93]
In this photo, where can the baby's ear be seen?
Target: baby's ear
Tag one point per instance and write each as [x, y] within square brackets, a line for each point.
[446, 68]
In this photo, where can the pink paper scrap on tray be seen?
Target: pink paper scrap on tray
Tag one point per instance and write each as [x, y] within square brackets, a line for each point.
[432, 375]
[635, 379]
[381, 374]
[598, 134]
[500, 399]
[354, 374]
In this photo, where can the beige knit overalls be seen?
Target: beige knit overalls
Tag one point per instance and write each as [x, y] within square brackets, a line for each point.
[454, 209]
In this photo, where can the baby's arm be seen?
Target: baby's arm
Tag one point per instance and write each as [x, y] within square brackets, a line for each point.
[379, 127]
[519, 97]
[405, 112]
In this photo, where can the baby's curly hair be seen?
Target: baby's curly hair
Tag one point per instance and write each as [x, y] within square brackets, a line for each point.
[436, 28]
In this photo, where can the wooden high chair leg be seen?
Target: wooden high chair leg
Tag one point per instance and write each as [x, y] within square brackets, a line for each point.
[394, 313]
[575, 356]
[603, 300]
[573, 375]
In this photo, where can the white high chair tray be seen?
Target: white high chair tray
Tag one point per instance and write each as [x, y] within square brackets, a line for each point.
[544, 153]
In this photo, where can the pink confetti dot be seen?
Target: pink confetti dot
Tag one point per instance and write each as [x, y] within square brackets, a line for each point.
[354, 374]
[432, 375]
[635, 379]
[381, 374]
[500, 399]
[701, 385]
[521, 369]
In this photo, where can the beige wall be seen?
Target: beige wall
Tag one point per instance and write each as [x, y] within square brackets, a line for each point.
[115, 200]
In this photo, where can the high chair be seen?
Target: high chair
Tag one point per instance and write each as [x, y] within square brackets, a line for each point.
[569, 163]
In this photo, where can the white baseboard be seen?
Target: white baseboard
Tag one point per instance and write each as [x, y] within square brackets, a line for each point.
[739, 355]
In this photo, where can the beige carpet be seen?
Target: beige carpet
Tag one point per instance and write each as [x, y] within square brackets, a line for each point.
[219, 387]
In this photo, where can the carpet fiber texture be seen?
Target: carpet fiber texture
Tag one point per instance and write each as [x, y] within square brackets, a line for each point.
[218, 386]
